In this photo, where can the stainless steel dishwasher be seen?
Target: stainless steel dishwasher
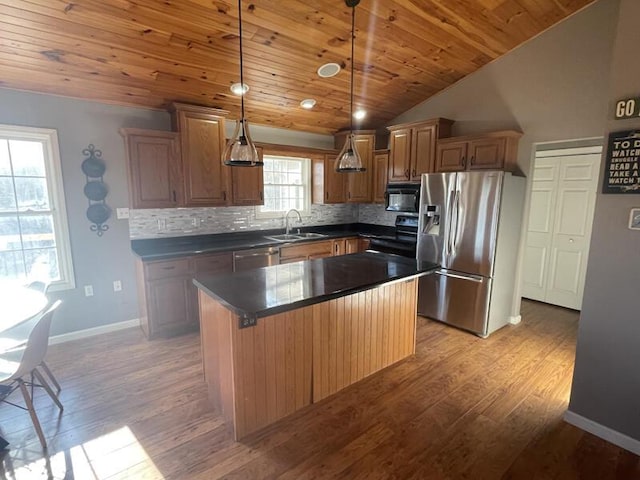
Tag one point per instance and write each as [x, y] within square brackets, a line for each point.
[255, 258]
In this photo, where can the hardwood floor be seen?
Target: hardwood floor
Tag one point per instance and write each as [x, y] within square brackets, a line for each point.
[462, 408]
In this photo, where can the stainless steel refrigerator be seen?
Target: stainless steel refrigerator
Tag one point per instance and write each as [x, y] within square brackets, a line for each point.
[470, 223]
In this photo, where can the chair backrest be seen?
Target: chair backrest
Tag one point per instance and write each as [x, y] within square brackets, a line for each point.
[39, 286]
[37, 343]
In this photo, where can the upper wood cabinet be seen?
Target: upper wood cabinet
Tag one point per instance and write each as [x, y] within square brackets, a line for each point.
[380, 169]
[359, 185]
[329, 186]
[202, 139]
[490, 151]
[154, 168]
[412, 148]
[247, 184]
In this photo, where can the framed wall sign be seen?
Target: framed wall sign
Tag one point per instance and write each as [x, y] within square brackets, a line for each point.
[627, 108]
[634, 219]
[622, 167]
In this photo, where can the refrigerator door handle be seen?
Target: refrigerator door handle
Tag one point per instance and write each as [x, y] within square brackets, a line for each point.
[449, 242]
[456, 235]
[473, 278]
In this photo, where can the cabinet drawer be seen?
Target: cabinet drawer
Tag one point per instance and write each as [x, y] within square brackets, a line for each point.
[307, 249]
[215, 263]
[169, 268]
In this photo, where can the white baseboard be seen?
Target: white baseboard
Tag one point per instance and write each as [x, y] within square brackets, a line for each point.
[606, 433]
[90, 332]
[515, 319]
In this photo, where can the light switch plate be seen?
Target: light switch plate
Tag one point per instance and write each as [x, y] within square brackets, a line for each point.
[634, 219]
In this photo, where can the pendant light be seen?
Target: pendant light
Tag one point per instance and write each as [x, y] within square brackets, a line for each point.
[349, 159]
[240, 150]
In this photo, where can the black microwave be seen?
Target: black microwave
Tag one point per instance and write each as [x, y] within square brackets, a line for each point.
[402, 197]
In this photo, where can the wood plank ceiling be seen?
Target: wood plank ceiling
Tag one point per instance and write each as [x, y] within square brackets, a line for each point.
[151, 52]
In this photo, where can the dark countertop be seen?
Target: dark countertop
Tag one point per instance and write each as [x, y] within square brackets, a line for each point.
[266, 291]
[174, 247]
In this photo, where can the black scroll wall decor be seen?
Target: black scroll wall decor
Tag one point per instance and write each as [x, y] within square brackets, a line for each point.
[96, 190]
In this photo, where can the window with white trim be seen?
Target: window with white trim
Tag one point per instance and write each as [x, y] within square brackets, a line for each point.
[287, 185]
[34, 236]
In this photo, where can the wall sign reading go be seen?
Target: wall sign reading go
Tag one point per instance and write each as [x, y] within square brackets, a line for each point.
[628, 108]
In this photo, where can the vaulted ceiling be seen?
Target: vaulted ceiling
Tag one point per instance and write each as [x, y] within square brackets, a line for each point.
[151, 52]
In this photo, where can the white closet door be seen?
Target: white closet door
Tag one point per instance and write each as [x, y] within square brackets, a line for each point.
[562, 202]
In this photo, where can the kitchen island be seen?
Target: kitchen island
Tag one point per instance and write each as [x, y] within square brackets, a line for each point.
[279, 338]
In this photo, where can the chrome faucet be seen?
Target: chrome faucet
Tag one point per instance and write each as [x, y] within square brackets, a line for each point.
[286, 220]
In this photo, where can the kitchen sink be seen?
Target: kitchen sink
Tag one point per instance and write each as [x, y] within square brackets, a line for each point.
[310, 235]
[290, 237]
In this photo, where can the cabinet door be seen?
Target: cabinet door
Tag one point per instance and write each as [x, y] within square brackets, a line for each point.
[352, 245]
[171, 306]
[153, 169]
[380, 169]
[247, 184]
[423, 149]
[451, 156]
[359, 184]
[399, 155]
[335, 187]
[487, 153]
[338, 247]
[205, 177]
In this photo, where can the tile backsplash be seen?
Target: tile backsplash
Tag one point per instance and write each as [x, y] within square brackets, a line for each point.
[376, 214]
[173, 222]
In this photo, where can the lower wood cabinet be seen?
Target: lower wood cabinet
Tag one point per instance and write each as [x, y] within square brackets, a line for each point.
[344, 246]
[306, 251]
[168, 302]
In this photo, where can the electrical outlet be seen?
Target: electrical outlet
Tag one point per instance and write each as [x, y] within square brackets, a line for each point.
[117, 286]
[162, 224]
[88, 290]
[195, 222]
[122, 213]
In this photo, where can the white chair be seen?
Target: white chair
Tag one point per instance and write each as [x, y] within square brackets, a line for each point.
[18, 364]
[43, 287]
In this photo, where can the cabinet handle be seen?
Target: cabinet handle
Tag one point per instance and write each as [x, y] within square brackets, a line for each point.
[406, 173]
[261, 195]
[348, 194]
[472, 160]
[224, 196]
[174, 196]
[413, 174]
[464, 162]
[327, 195]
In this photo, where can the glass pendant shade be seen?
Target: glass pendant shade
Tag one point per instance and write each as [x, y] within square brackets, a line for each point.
[240, 150]
[349, 159]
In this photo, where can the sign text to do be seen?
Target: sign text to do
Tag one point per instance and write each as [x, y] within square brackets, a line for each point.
[628, 108]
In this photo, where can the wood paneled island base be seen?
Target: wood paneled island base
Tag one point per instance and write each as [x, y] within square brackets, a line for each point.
[289, 360]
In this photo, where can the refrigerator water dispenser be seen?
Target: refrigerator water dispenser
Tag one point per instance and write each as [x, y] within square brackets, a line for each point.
[431, 220]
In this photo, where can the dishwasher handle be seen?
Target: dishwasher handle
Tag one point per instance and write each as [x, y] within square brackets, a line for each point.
[255, 258]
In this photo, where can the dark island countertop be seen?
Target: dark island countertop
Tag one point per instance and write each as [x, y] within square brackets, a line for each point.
[174, 247]
[258, 293]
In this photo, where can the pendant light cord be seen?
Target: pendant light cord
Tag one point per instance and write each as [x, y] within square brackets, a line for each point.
[241, 67]
[353, 34]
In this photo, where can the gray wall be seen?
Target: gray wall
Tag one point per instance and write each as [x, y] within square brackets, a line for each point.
[99, 261]
[553, 88]
[96, 261]
[606, 383]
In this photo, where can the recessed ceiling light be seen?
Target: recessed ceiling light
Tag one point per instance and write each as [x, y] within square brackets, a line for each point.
[359, 114]
[308, 103]
[329, 70]
[239, 89]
